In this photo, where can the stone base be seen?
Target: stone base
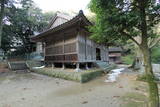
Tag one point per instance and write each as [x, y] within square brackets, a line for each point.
[77, 70]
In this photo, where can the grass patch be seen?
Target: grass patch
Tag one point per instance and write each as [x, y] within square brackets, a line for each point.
[75, 76]
[89, 75]
[143, 78]
[82, 77]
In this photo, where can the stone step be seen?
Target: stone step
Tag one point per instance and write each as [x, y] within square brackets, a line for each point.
[18, 65]
[101, 64]
[105, 66]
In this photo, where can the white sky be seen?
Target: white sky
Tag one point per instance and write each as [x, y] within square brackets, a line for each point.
[63, 5]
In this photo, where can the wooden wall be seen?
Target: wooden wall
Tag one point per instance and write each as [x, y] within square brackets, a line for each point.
[73, 48]
[87, 49]
[61, 48]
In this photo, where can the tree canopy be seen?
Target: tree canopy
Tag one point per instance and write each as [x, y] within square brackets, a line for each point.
[122, 20]
[22, 19]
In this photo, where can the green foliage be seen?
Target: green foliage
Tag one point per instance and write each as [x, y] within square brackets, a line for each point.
[155, 54]
[22, 20]
[128, 59]
[121, 19]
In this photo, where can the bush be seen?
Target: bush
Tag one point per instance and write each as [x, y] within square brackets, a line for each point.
[128, 59]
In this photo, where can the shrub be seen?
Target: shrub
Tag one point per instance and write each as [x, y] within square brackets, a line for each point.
[128, 59]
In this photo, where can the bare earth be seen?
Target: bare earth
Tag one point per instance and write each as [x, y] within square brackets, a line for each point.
[34, 90]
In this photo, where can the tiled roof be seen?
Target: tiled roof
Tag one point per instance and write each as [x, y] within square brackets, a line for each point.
[79, 17]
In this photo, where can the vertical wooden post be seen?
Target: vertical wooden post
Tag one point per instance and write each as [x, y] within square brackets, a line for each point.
[64, 47]
[44, 50]
[85, 47]
[77, 45]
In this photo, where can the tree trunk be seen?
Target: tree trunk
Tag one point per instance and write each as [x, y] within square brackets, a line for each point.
[1, 19]
[153, 87]
[138, 61]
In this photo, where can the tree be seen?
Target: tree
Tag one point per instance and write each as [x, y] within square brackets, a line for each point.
[21, 22]
[127, 19]
[2, 2]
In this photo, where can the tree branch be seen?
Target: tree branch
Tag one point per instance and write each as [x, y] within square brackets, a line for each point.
[130, 37]
[156, 41]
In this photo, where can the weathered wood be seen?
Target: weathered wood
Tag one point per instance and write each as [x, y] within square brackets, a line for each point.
[70, 42]
[62, 58]
[87, 48]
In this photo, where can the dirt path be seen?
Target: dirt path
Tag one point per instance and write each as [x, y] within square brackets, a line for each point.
[34, 90]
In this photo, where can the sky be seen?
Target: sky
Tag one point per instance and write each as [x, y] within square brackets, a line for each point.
[63, 5]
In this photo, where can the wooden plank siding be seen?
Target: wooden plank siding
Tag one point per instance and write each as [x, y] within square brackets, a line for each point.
[87, 48]
[74, 48]
[61, 49]
[68, 41]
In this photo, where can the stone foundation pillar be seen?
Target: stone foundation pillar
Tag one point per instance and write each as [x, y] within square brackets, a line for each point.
[63, 66]
[53, 66]
[77, 67]
[87, 66]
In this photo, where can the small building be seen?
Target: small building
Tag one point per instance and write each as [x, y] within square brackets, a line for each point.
[66, 41]
[115, 54]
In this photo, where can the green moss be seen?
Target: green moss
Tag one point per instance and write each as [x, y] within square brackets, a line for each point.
[142, 77]
[134, 100]
[153, 91]
[153, 88]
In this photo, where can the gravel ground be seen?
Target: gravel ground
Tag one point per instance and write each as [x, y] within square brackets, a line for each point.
[34, 90]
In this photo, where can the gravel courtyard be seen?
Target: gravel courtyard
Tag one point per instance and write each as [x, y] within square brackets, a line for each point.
[35, 90]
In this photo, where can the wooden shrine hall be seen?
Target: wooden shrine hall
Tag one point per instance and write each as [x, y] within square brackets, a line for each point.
[66, 41]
